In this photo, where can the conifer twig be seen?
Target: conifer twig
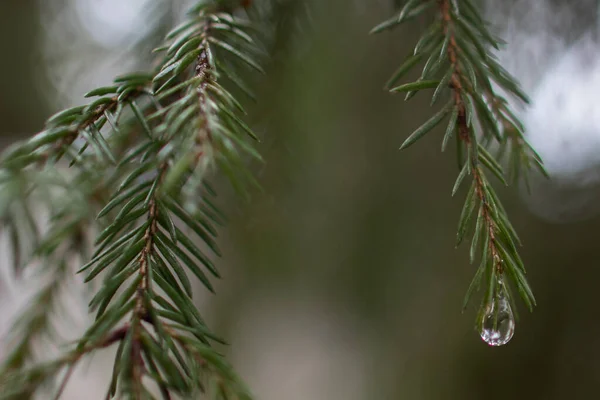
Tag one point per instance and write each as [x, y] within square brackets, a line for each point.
[460, 66]
[157, 183]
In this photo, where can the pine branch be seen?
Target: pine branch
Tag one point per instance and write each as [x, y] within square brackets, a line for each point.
[459, 65]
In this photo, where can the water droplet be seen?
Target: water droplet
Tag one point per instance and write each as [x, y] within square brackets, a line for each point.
[498, 325]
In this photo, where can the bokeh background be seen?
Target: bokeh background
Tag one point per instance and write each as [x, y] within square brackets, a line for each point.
[341, 280]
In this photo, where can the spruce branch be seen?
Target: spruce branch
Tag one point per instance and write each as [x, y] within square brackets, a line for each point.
[155, 140]
[52, 255]
[25, 382]
[459, 65]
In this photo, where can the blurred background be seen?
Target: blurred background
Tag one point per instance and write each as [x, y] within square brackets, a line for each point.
[341, 280]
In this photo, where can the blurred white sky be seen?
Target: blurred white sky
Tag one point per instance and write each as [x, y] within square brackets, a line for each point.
[113, 22]
[87, 42]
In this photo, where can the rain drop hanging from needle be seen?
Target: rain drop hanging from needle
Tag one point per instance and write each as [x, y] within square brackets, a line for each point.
[498, 325]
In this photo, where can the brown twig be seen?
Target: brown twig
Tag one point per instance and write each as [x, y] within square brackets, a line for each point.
[72, 360]
[203, 71]
[464, 134]
[140, 312]
[65, 380]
